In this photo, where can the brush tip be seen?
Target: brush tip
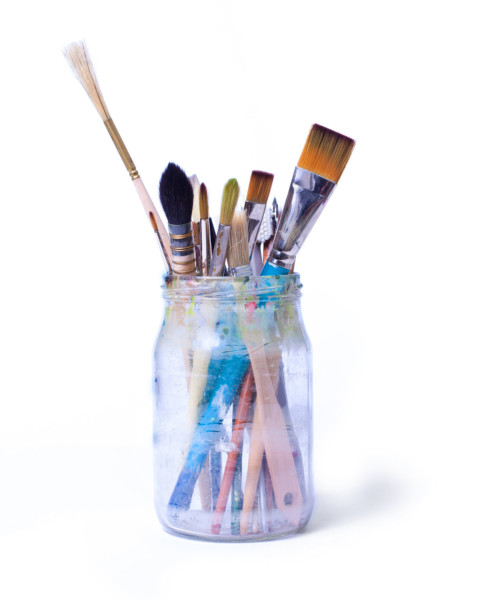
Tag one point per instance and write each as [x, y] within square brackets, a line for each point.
[176, 195]
[79, 60]
[153, 221]
[259, 187]
[196, 187]
[237, 251]
[203, 195]
[326, 153]
[231, 192]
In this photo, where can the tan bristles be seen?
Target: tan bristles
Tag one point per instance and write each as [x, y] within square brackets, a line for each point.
[326, 153]
[237, 251]
[229, 201]
[77, 56]
[203, 203]
[196, 187]
[259, 187]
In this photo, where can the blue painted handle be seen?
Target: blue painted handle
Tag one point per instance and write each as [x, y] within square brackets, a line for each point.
[229, 375]
[269, 269]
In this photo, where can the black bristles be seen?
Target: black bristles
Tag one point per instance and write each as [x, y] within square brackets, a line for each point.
[176, 195]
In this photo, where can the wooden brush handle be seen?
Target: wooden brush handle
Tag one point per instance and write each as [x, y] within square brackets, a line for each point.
[280, 460]
[253, 473]
[150, 208]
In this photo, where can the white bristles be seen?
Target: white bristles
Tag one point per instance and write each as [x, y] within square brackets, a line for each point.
[78, 58]
[266, 228]
[196, 198]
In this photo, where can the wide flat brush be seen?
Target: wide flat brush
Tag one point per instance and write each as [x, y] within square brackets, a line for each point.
[231, 192]
[324, 157]
[176, 196]
[77, 56]
[257, 195]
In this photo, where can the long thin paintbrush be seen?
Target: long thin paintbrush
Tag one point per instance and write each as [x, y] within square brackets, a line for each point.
[196, 220]
[176, 196]
[77, 56]
[231, 192]
[324, 157]
[205, 239]
[237, 256]
[202, 352]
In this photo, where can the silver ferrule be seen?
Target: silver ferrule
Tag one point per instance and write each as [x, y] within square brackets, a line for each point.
[182, 246]
[206, 247]
[306, 199]
[241, 271]
[220, 251]
[255, 212]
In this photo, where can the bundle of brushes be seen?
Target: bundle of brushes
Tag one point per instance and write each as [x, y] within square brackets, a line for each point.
[240, 441]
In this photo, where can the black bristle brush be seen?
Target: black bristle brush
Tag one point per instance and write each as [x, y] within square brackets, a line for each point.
[176, 196]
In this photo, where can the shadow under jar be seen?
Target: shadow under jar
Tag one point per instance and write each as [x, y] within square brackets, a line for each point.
[232, 427]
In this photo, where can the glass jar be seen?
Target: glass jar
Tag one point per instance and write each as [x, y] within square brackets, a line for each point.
[232, 428]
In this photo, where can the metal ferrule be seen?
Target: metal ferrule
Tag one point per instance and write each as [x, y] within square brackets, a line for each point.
[306, 199]
[242, 271]
[220, 251]
[122, 149]
[255, 212]
[206, 247]
[182, 246]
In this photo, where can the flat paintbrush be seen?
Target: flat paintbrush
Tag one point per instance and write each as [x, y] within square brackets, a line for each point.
[231, 192]
[257, 195]
[324, 157]
[79, 60]
[176, 196]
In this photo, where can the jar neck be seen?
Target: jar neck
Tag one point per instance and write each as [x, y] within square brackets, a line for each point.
[232, 290]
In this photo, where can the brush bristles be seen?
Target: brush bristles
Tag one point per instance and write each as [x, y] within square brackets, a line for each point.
[78, 58]
[237, 252]
[326, 153]
[176, 195]
[153, 221]
[203, 202]
[259, 187]
[196, 187]
[229, 201]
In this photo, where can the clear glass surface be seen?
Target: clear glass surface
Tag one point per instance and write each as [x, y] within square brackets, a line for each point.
[232, 428]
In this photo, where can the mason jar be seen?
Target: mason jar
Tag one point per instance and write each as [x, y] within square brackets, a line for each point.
[232, 423]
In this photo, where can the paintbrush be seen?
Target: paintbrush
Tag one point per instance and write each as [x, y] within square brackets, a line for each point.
[196, 198]
[196, 220]
[257, 196]
[229, 201]
[205, 240]
[237, 251]
[324, 157]
[176, 196]
[79, 60]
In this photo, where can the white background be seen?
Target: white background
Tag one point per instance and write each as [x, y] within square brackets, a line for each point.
[391, 289]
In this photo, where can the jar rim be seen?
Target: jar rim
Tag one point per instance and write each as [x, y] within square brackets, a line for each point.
[226, 288]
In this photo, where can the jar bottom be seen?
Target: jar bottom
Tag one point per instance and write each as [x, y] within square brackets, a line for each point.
[197, 524]
[226, 537]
